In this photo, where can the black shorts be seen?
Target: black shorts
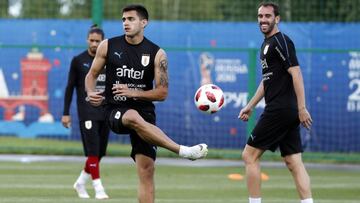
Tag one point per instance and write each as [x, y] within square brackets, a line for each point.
[139, 146]
[94, 136]
[278, 128]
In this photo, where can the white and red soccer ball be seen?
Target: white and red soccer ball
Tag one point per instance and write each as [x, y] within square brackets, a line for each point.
[209, 98]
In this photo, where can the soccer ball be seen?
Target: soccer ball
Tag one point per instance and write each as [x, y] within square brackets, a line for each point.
[209, 98]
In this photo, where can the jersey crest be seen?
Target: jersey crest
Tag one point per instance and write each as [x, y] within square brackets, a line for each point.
[117, 115]
[145, 59]
[88, 125]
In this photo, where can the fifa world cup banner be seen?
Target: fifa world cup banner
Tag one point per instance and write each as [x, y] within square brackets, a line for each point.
[35, 64]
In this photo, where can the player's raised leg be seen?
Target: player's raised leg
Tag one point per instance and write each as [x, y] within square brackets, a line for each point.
[156, 136]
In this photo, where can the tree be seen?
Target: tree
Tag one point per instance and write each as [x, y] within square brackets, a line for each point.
[191, 10]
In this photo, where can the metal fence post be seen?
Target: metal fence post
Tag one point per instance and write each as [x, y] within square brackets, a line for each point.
[251, 88]
[97, 12]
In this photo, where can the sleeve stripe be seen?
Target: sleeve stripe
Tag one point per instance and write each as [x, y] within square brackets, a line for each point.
[287, 50]
[279, 43]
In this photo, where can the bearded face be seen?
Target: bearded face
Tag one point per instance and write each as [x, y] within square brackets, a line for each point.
[93, 41]
[267, 20]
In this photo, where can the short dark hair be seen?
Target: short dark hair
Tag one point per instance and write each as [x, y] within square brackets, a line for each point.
[95, 29]
[140, 9]
[271, 4]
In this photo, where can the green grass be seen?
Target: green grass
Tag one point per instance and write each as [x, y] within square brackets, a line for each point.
[51, 182]
[13, 145]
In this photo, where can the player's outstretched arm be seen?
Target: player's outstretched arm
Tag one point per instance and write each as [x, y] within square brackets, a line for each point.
[304, 115]
[96, 67]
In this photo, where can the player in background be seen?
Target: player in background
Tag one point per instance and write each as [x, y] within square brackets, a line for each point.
[93, 127]
[278, 126]
[133, 64]
[206, 64]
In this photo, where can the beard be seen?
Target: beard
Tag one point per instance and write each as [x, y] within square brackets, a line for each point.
[93, 50]
[270, 28]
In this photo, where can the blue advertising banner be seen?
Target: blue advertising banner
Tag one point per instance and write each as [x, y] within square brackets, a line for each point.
[33, 78]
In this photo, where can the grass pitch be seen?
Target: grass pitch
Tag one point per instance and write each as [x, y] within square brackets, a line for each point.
[14, 145]
[52, 182]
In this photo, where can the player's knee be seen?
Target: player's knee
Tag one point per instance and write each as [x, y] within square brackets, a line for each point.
[289, 164]
[132, 119]
[247, 158]
[293, 162]
[251, 155]
[146, 171]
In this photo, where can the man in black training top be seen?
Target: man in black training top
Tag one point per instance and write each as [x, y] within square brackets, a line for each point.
[283, 88]
[133, 63]
[93, 127]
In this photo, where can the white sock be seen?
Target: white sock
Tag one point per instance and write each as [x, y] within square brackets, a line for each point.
[308, 200]
[254, 200]
[97, 184]
[184, 150]
[83, 177]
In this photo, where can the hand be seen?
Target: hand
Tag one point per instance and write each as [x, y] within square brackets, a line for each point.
[245, 113]
[123, 90]
[95, 98]
[66, 121]
[305, 118]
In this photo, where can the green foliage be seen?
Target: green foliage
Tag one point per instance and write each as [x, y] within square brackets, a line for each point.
[190, 10]
[4, 4]
[31, 9]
